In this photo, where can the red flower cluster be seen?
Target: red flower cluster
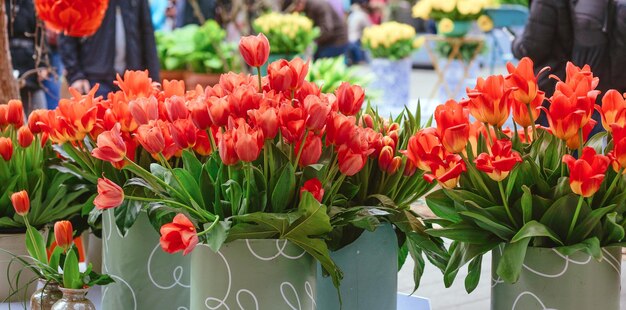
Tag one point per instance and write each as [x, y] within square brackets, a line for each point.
[75, 18]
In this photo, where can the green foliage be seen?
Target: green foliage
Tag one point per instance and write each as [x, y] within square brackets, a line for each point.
[329, 73]
[287, 33]
[466, 51]
[201, 49]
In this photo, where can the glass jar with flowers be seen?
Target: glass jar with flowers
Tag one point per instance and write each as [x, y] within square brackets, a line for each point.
[454, 17]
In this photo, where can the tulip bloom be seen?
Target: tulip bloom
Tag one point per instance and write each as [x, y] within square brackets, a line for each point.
[135, 84]
[523, 81]
[199, 112]
[500, 162]
[110, 195]
[179, 235]
[3, 115]
[248, 142]
[565, 117]
[226, 146]
[151, 137]
[292, 121]
[144, 109]
[63, 234]
[520, 110]
[339, 128]
[317, 109]
[6, 148]
[287, 75]
[24, 137]
[619, 148]
[254, 49]
[313, 186]
[311, 151]
[110, 146]
[265, 118]
[74, 18]
[452, 126]
[574, 141]
[446, 171]
[21, 203]
[350, 162]
[613, 109]
[203, 145]
[219, 110]
[184, 133]
[424, 147]
[15, 113]
[489, 102]
[586, 173]
[349, 98]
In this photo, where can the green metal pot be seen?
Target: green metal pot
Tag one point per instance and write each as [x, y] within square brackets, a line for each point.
[551, 280]
[145, 276]
[370, 273]
[253, 274]
[461, 28]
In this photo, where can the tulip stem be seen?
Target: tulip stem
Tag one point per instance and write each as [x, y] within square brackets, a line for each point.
[528, 137]
[581, 199]
[213, 145]
[258, 70]
[580, 143]
[515, 134]
[530, 116]
[506, 203]
[612, 187]
[204, 232]
[182, 186]
[173, 202]
[489, 138]
[306, 133]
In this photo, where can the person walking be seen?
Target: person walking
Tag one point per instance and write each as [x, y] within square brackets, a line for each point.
[124, 41]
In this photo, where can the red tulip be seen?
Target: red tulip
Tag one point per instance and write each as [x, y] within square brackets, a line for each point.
[339, 128]
[424, 147]
[500, 162]
[368, 121]
[307, 89]
[619, 147]
[74, 18]
[110, 146]
[176, 108]
[292, 122]
[179, 235]
[613, 109]
[287, 75]
[229, 82]
[317, 109]
[15, 113]
[24, 137]
[151, 137]
[350, 162]
[6, 148]
[144, 109]
[203, 144]
[579, 88]
[254, 49]
[35, 117]
[586, 173]
[313, 186]
[184, 133]
[565, 117]
[63, 234]
[311, 151]
[110, 195]
[21, 203]
[409, 169]
[265, 118]
[574, 141]
[385, 157]
[523, 81]
[446, 171]
[520, 110]
[219, 110]
[199, 112]
[452, 126]
[350, 98]
[248, 142]
[3, 115]
[489, 101]
[226, 146]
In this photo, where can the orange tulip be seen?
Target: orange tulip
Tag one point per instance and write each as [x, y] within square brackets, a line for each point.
[452, 126]
[63, 234]
[219, 110]
[500, 162]
[77, 115]
[80, 18]
[33, 119]
[523, 81]
[151, 137]
[587, 172]
[613, 109]
[110, 146]
[6, 148]
[265, 118]
[349, 98]
[574, 141]
[24, 137]
[15, 113]
[179, 235]
[144, 110]
[110, 195]
[520, 110]
[248, 142]
[173, 88]
[254, 49]
[135, 84]
[579, 87]
[619, 147]
[21, 203]
[423, 148]
[489, 101]
[446, 171]
[565, 117]
[184, 133]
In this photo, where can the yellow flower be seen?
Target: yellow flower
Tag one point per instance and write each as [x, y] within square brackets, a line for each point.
[444, 5]
[445, 25]
[469, 7]
[418, 42]
[422, 9]
[485, 23]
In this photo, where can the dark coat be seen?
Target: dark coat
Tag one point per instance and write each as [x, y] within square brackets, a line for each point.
[547, 39]
[21, 27]
[93, 58]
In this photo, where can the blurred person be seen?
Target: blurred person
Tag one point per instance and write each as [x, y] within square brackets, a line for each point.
[358, 20]
[377, 11]
[22, 30]
[124, 41]
[194, 11]
[52, 84]
[158, 11]
[333, 39]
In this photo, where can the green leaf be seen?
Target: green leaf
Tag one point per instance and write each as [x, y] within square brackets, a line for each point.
[283, 191]
[473, 275]
[527, 204]
[126, 214]
[586, 226]
[590, 246]
[218, 235]
[442, 206]
[535, 229]
[560, 214]
[189, 185]
[613, 231]
[55, 258]
[71, 274]
[192, 164]
[510, 265]
[35, 245]
[461, 254]
[462, 233]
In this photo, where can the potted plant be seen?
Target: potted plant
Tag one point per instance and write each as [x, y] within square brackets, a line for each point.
[553, 222]
[28, 163]
[130, 243]
[289, 34]
[374, 227]
[61, 290]
[390, 45]
[454, 18]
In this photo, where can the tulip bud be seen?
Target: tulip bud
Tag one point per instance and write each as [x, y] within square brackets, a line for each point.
[200, 114]
[150, 136]
[368, 121]
[394, 165]
[110, 195]
[179, 235]
[385, 157]
[388, 141]
[24, 137]
[35, 117]
[6, 148]
[393, 127]
[350, 98]
[3, 115]
[393, 134]
[255, 50]
[176, 108]
[63, 234]
[21, 202]
[15, 113]
[409, 169]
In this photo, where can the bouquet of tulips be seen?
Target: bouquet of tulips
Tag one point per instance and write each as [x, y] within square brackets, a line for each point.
[391, 40]
[543, 187]
[287, 33]
[64, 255]
[28, 162]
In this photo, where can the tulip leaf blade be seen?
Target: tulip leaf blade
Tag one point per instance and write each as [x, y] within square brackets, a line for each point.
[614, 231]
[473, 274]
[513, 256]
[284, 189]
[71, 273]
[527, 204]
[192, 164]
[36, 245]
[590, 246]
[587, 224]
[536, 229]
[442, 206]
